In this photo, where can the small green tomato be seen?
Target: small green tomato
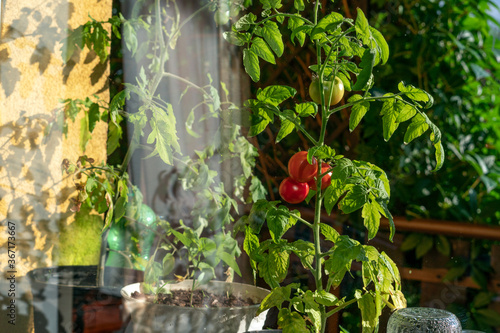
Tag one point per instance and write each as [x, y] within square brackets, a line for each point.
[333, 93]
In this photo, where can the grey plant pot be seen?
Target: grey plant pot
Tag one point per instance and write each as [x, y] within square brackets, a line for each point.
[159, 318]
[420, 319]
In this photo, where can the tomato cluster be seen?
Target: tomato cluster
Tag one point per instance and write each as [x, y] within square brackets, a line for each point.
[302, 177]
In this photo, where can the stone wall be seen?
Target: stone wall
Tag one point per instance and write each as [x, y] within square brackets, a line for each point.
[34, 192]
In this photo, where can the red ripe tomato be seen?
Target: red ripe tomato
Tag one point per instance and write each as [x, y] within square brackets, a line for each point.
[325, 181]
[292, 191]
[300, 169]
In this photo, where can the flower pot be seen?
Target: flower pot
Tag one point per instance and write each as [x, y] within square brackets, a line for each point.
[66, 298]
[419, 319]
[149, 317]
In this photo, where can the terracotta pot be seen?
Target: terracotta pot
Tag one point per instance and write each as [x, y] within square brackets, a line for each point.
[149, 317]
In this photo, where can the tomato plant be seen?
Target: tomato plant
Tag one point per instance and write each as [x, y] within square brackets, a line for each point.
[346, 51]
[293, 191]
[333, 91]
[300, 169]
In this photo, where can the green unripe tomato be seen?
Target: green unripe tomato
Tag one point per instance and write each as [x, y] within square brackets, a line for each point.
[221, 17]
[116, 237]
[332, 93]
[146, 216]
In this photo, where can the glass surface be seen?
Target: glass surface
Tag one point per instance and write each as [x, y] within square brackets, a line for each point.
[423, 320]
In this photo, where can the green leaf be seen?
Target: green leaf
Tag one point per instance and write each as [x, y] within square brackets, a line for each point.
[291, 322]
[251, 64]
[480, 277]
[411, 241]
[389, 113]
[354, 199]
[245, 22]
[488, 317]
[369, 316]
[362, 27]
[299, 5]
[352, 48]
[163, 139]
[295, 24]
[168, 264]
[130, 37]
[257, 124]
[439, 155]
[91, 184]
[343, 169]
[189, 125]
[417, 127]
[383, 48]
[344, 252]
[278, 222]
[271, 4]
[258, 215]
[329, 233]
[358, 111]
[235, 38]
[275, 95]
[325, 298]
[260, 47]
[306, 109]
[206, 275]
[424, 246]
[482, 299]
[230, 261]
[94, 116]
[272, 36]
[311, 308]
[182, 238]
[329, 23]
[274, 266]
[110, 212]
[117, 103]
[407, 112]
[257, 189]
[287, 125]
[416, 94]
[443, 245]
[332, 195]
[305, 251]
[84, 132]
[364, 78]
[321, 152]
[276, 297]
[385, 211]
[371, 218]
[455, 273]
[251, 245]
[120, 208]
[346, 80]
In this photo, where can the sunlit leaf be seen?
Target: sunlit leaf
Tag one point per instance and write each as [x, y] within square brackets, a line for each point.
[272, 36]
[260, 47]
[251, 64]
[358, 111]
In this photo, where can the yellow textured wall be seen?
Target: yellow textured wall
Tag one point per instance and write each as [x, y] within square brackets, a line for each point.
[33, 78]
